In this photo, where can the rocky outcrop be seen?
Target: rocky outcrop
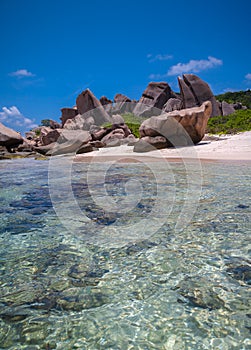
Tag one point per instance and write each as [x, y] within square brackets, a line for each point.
[51, 136]
[69, 141]
[173, 104]
[194, 91]
[89, 106]
[153, 99]
[55, 125]
[80, 122]
[122, 104]
[117, 119]
[68, 113]
[105, 101]
[107, 104]
[226, 108]
[82, 141]
[179, 128]
[9, 138]
[30, 135]
[148, 143]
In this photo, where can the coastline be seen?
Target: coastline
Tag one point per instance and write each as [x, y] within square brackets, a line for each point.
[226, 148]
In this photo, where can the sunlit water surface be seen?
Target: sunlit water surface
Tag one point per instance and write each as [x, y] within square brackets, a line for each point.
[62, 288]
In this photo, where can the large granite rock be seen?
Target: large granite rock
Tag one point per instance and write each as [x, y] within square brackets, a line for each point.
[180, 128]
[70, 141]
[227, 108]
[153, 99]
[117, 119]
[105, 101]
[9, 138]
[80, 136]
[122, 104]
[148, 143]
[194, 91]
[51, 136]
[80, 122]
[107, 104]
[89, 106]
[173, 104]
[68, 113]
[55, 125]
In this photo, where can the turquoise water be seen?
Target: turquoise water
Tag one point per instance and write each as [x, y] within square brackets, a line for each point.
[98, 276]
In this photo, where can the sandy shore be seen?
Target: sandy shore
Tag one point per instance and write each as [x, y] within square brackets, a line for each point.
[219, 148]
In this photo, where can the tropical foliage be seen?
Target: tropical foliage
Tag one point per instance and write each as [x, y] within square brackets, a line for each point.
[230, 124]
[243, 97]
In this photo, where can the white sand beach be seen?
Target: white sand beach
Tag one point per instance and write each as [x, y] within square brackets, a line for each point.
[215, 148]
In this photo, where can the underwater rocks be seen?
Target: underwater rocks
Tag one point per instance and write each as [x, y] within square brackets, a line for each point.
[197, 293]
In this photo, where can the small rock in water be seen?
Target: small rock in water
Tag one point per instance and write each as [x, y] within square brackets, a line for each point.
[242, 206]
[199, 294]
[242, 273]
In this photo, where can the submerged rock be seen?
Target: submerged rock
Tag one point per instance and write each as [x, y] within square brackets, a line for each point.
[241, 273]
[198, 293]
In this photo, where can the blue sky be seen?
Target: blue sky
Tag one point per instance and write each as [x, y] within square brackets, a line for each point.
[52, 50]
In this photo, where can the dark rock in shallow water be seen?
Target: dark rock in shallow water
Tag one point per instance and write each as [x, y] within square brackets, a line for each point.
[139, 247]
[74, 299]
[199, 294]
[242, 206]
[12, 315]
[240, 273]
[83, 275]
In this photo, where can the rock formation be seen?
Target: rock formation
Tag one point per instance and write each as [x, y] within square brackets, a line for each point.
[82, 141]
[226, 108]
[89, 106]
[173, 104]
[195, 91]
[122, 104]
[179, 128]
[153, 99]
[68, 113]
[9, 138]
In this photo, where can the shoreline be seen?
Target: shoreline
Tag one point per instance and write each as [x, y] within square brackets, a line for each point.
[221, 149]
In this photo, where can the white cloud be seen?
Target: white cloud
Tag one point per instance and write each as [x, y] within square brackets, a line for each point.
[22, 73]
[194, 66]
[14, 119]
[248, 76]
[159, 57]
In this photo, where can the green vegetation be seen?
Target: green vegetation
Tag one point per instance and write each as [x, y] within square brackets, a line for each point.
[132, 118]
[45, 122]
[37, 132]
[230, 124]
[243, 97]
[132, 121]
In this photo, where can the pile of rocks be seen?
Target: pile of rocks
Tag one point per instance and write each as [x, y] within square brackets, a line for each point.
[78, 140]
[82, 126]
[174, 129]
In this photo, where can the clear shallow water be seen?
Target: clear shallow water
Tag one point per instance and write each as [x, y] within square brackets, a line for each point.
[68, 288]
